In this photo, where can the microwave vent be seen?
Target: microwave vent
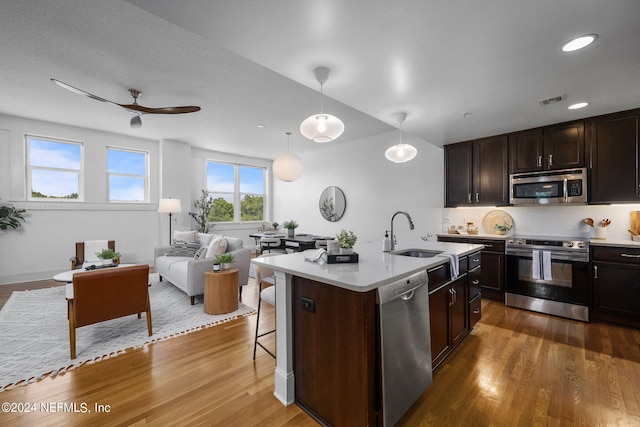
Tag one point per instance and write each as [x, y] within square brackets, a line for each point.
[552, 100]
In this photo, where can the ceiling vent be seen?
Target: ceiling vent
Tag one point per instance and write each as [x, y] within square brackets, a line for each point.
[552, 100]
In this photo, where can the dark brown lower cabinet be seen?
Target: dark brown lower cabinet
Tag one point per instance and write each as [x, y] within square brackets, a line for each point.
[448, 311]
[616, 285]
[335, 359]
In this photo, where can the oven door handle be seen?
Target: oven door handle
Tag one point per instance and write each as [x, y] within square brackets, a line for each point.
[555, 256]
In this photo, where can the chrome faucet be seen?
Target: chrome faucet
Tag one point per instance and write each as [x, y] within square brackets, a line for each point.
[393, 236]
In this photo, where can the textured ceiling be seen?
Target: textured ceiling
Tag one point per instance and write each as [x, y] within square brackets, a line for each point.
[251, 62]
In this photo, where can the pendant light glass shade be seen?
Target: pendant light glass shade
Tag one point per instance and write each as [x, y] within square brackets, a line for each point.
[321, 127]
[401, 153]
[287, 167]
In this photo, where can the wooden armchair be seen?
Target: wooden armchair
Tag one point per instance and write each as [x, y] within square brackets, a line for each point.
[90, 246]
[100, 295]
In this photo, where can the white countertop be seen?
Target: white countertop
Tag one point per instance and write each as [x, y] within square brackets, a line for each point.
[475, 236]
[614, 242]
[374, 269]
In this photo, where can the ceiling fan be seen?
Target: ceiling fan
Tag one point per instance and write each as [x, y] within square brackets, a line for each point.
[135, 109]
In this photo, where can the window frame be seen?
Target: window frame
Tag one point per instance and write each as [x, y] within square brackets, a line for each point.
[237, 200]
[146, 176]
[29, 169]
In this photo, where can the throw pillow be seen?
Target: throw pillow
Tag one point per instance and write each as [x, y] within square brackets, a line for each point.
[217, 246]
[205, 239]
[201, 253]
[182, 248]
[185, 236]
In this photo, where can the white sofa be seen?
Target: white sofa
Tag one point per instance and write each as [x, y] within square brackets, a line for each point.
[187, 273]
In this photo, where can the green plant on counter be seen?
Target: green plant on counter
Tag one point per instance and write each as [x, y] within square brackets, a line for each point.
[108, 254]
[346, 239]
[290, 225]
[503, 228]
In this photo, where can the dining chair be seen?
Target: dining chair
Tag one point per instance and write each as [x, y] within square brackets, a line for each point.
[271, 245]
[267, 294]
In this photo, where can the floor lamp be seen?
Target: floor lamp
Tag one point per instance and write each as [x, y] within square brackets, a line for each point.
[169, 206]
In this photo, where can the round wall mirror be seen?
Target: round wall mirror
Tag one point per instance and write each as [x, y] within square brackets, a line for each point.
[332, 204]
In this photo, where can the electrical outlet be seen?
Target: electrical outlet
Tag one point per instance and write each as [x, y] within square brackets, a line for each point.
[308, 304]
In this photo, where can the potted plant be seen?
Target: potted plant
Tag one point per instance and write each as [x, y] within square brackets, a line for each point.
[275, 226]
[291, 227]
[10, 217]
[108, 256]
[502, 229]
[224, 260]
[346, 240]
[203, 206]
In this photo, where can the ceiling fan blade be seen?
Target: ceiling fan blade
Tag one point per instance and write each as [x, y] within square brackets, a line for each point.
[81, 92]
[161, 110]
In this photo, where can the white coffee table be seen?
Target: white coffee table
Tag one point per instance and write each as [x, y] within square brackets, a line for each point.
[67, 276]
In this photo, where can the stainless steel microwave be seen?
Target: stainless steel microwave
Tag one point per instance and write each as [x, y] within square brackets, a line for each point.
[549, 187]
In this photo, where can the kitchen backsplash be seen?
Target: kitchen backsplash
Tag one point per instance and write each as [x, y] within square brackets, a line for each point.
[549, 220]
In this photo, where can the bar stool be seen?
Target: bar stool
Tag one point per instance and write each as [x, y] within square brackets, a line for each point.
[268, 295]
[271, 245]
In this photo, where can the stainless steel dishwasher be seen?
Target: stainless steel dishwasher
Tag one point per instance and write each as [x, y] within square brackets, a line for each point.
[405, 342]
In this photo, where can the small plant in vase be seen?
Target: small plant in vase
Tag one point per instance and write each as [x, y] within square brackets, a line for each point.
[291, 227]
[275, 226]
[503, 228]
[224, 260]
[108, 256]
[346, 241]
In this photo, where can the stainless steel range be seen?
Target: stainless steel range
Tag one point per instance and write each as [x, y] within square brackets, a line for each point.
[549, 275]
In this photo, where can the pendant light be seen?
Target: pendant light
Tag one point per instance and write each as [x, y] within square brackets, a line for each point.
[401, 153]
[322, 127]
[287, 167]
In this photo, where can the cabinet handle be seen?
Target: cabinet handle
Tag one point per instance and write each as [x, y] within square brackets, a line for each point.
[550, 159]
[475, 282]
[475, 260]
[595, 271]
[477, 197]
[451, 297]
[488, 246]
[476, 311]
[629, 256]
[539, 161]
[469, 197]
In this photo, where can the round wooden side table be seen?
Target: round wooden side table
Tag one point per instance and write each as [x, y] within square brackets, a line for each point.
[221, 291]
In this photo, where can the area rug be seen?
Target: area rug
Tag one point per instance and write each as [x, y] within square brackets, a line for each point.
[34, 331]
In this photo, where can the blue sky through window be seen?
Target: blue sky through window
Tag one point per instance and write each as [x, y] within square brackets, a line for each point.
[57, 155]
[121, 165]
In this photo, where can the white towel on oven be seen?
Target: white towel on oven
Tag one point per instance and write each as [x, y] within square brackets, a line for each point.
[536, 271]
[546, 266]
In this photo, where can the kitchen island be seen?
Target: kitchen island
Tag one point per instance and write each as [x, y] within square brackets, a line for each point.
[350, 290]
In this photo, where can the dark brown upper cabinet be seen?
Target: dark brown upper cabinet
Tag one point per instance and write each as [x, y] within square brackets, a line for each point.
[476, 172]
[553, 147]
[613, 141]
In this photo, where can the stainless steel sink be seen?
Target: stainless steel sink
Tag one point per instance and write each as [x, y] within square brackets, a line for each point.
[417, 253]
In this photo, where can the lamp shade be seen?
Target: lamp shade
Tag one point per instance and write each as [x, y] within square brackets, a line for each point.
[322, 127]
[169, 206]
[401, 153]
[287, 167]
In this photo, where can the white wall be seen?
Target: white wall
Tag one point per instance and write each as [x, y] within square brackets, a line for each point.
[374, 188]
[43, 245]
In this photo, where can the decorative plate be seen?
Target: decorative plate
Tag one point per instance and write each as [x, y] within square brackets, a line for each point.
[496, 217]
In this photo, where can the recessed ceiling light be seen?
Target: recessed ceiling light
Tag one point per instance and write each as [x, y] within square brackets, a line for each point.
[578, 105]
[261, 126]
[579, 42]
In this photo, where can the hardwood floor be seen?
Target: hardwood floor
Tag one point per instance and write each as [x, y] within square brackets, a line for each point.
[516, 368]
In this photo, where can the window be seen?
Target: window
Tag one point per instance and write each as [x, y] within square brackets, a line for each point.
[128, 175]
[238, 192]
[54, 169]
